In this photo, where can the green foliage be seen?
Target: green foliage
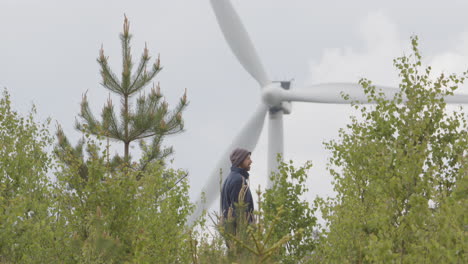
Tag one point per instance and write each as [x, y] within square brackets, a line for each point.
[111, 210]
[150, 120]
[399, 173]
[251, 242]
[273, 237]
[116, 216]
[287, 195]
[25, 224]
[112, 216]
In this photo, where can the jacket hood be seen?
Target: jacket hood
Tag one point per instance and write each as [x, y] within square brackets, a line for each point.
[241, 171]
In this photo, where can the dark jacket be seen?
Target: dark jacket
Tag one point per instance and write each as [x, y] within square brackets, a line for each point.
[230, 192]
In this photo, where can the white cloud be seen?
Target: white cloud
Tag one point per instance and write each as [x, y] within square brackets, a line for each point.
[373, 59]
[381, 43]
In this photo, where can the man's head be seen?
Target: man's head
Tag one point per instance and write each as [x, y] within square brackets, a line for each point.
[241, 158]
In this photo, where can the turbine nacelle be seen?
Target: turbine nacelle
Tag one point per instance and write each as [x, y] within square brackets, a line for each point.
[273, 96]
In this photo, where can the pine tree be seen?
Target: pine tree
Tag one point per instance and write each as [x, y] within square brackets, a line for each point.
[150, 120]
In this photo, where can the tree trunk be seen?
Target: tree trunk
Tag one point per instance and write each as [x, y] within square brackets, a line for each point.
[125, 119]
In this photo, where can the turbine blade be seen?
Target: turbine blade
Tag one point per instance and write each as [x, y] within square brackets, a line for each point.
[247, 138]
[275, 142]
[331, 93]
[239, 40]
[457, 99]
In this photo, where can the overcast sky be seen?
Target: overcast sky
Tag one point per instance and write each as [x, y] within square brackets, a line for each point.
[48, 52]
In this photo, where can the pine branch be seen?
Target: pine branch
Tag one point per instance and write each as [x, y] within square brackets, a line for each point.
[69, 155]
[110, 123]
[146, 78]
[146, 115]
[175, 124]
[141, 67]
[109, 79]
[149, 112]
[127, 64]
[92, 124]
[142, 78]
[153, 152]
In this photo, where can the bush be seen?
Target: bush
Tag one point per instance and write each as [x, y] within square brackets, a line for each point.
[109, 216]
[25, 199]
[400, 176]
[116, 216]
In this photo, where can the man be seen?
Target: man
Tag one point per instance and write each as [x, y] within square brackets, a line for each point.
[235, 182]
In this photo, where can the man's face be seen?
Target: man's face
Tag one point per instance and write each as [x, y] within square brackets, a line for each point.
[246, 163]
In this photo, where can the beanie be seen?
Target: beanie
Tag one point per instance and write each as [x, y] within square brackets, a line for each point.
[238, 156]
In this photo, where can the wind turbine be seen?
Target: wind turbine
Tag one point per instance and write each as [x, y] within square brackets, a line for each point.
[275, 100]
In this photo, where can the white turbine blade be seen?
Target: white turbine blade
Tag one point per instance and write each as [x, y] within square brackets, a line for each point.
[457, 99]
[247, 139]
[239, 40]
[275, 142]
[331, 93]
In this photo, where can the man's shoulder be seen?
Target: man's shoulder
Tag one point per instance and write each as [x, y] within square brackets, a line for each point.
[235, 177]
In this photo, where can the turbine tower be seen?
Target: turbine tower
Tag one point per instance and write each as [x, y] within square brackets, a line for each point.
[275, 100]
